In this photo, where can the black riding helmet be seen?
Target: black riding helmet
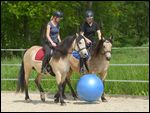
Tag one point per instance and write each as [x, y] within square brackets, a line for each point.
[89, 13]
[58, 14]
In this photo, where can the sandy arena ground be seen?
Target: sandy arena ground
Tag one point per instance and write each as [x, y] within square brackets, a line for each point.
[12, 102]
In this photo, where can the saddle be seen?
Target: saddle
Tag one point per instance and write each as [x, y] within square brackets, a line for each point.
[78, 56]
[40, 54]
[82, 61]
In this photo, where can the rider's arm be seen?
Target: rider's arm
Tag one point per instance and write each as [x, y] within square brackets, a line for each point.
[82, 30]
[99, 34]
[87, 40]
[98, 31]
[59, 37]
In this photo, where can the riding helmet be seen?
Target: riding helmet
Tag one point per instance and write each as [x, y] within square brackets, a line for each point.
[89, 13]
[58, 14]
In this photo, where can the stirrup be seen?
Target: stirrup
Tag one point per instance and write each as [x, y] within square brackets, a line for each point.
[82, 70]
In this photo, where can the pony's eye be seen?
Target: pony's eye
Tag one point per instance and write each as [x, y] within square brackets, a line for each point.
[79, 42]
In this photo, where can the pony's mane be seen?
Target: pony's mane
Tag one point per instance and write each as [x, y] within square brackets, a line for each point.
[62, 49]
[99, 47]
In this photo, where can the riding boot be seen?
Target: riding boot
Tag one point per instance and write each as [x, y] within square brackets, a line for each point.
[81, 65]
[85, 64]
[44, 63]
[46, 66]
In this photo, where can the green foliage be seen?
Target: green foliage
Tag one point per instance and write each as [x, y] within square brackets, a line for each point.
[21, 21]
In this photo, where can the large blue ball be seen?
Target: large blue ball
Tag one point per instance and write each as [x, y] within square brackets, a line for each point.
[90, 87]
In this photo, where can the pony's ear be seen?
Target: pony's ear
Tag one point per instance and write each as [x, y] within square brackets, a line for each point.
[103, 39]
[77, 35]
[111, 38]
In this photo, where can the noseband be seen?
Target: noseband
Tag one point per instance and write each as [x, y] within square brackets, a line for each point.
[80, 49]
[106, 52]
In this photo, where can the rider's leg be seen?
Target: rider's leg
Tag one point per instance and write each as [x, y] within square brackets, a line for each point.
[81, 65]
[46, 58]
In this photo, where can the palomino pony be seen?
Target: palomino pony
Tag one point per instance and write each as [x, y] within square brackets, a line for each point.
[98, 63]
[59, 63]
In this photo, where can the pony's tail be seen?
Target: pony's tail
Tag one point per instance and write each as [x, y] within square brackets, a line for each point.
[21, 79]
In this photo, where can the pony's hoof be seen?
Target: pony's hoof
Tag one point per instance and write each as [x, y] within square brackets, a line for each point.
[56, 95]
[63, 103]
[43, 99]
[75, 98]
[42, 95]
[56, 100]
[64, 96]
[28, 100]
[104, 99]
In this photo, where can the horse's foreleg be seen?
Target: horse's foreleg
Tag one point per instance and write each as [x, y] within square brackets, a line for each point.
[69, 84]
[37, 81]
[60, 80]
[60, 93]
[63, 89]
[71, 88]
[103, 75]
[103, 98]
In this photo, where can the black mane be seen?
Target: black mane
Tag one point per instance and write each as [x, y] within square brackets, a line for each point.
[98, 48]
[62, 49]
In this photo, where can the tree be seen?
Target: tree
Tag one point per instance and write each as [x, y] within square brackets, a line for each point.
[21, 21]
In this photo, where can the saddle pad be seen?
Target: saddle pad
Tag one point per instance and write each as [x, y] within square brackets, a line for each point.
[77, 55]
[40, 54]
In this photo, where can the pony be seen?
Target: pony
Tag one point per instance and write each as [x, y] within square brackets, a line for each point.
[98, 63]
[59, 63]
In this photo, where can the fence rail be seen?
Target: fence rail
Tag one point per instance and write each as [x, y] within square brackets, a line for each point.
[135, 81]
[112, 48]
[110, 64]
[129, 81]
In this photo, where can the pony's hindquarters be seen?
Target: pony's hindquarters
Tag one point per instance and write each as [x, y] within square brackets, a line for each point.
[30, 62]
[26, 67]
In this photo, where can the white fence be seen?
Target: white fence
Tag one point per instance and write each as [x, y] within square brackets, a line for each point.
[137, 81]
[112, 48]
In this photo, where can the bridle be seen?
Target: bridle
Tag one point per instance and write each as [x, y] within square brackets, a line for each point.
[77, 42]
[106, 52]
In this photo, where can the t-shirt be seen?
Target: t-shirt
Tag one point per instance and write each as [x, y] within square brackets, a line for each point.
[89, 31]
[54, 30]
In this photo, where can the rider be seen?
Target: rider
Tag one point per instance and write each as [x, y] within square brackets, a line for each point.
[52, 38]
[88, 30]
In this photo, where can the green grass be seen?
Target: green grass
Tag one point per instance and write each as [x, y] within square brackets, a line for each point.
[124, 56]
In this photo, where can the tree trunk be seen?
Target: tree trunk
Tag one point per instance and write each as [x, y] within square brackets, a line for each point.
[27, 36]
[90, 4]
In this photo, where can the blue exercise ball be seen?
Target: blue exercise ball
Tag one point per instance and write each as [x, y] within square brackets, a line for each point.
[90, 87]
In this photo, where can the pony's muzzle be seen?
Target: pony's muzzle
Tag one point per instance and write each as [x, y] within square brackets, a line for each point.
[84, 54]
[108, 56]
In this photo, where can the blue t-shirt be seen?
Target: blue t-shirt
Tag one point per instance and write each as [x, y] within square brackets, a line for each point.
[54, 30]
